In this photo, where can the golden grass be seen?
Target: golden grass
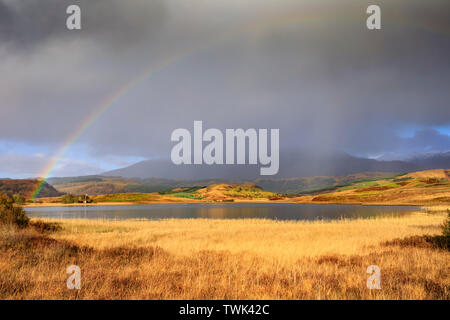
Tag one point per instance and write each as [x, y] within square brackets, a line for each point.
[227, 259]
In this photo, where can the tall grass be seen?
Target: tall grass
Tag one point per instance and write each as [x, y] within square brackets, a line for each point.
[227, 259]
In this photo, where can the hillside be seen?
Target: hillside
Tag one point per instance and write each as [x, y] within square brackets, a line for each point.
[431, 160]
[211, 193]
[26, 187]
[317, 184]
[431, 187]
[225, 192]
[96, 185]
[423, 187]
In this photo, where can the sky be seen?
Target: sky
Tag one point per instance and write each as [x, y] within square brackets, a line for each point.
[309, 68]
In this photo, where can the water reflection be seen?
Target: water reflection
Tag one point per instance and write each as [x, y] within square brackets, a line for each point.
[280, 211]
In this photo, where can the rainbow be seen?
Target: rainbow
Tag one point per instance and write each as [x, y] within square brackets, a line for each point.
[292, 18]
[107, 103]
[97, 113]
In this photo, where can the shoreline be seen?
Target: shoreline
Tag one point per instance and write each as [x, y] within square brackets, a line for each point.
[298, 201]
[49, 205]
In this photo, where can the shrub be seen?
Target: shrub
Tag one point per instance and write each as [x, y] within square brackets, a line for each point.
[68, 198]
[18, 198]
[446, 226]
[45, 227]
[10, 214]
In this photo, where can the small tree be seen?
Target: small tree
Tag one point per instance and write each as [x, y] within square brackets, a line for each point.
[68, 198]
[18, 198]
[10, 214]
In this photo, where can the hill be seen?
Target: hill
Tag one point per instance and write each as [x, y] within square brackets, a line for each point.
[211, 193]
[224, 192]
[431, 160]
[442, 174]
[317, 184]
[424, 187]
[96, 185]
[26, 187]
[431, 187]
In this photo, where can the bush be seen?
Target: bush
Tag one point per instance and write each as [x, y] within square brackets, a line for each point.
[45, 227]
[68, 198]
[10, 214]
[446, 226]
[18, 198]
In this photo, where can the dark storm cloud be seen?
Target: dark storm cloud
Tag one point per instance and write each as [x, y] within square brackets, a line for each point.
[25, 24]
[310, 68]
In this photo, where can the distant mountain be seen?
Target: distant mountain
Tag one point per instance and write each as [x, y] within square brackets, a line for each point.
[433, 160]
[292, 165]
[408, 157]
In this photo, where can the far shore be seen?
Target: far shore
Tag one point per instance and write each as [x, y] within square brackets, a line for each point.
[165, 201]
[262, 201]
[423, 188]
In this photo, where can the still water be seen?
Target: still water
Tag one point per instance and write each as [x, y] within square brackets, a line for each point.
[280, 211]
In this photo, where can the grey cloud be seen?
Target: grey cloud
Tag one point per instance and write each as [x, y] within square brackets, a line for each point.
[17, 165]
[324, 79]
[21, 165]
[26, 24]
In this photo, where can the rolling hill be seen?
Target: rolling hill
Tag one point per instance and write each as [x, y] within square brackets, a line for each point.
[430, 187]
[225, 192]
[26, 187]
[423, 187]
[96, 185]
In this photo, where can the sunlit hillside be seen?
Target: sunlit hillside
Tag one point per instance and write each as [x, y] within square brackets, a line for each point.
[423, 187]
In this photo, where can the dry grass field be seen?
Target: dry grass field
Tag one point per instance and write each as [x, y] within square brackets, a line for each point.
[226, 259]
